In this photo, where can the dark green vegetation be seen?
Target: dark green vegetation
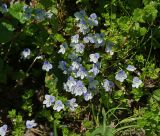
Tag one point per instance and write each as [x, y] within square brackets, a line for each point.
[133, 26]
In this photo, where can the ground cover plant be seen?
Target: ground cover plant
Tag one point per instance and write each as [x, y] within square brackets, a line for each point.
[80, 68]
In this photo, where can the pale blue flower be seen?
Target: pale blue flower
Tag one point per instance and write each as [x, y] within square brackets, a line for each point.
[93, 83]
[69, 84]
[79, 48]
[75, 66]
[76, 87]
[88, 96]
[49, 99]
[27, 12]
[80, 15]
[86, 39]
[94, 57]
[93, 20]
[136, 82]
[63, 48]
[30, 124]
[83, 27]
[40, 14]
[75, 38]
[131, 68]
[63, 66]
[26, 53]
[89, 38]
[3, 8]
[47, 66]
[93, 16]
[109, 48]
[108, 85]
[74, 57]
[82, 73]
[3, 130]
[58, 106]
[99, 40]
[121, 76]
[79, 88]
[95, 69]
[72, 104]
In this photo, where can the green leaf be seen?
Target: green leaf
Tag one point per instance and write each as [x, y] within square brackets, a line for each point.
[150, 12]
[143, 31]
[6, 32]
[138, 15]
[156, 94]
[16, 10]
[146, 2]
[137, 93]
[124, 23]
[3, 77]
[108, 131]
[59, 38]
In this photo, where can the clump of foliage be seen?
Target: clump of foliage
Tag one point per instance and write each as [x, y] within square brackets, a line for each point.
[80, 67]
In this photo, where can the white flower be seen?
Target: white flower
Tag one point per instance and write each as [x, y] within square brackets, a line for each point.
[121, 76]
[58, 105]
[47, 66]
[108, 85]
[79, 88]
[95, 69]
[82, 73]
[72, 104]
[131, 68]
[136, 82]
[49, 99]
[26, 53]
[49, 14]
[63, 48]
[94, 57]
[79, 48]
[75, 87]
[30, 124]
[75, 66]
[88, 96]
[75, 38]
[93, 20]
[69, 84]
[3, 130]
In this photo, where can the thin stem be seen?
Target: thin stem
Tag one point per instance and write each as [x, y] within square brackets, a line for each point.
[31, 65]
[55, 128]
[94, 116]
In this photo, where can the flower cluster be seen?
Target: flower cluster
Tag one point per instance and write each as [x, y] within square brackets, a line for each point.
[37, 14]
[85, 22]
[82, 80]
[121, 76]
[58, 105]
[75, 87]
[49, 100]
